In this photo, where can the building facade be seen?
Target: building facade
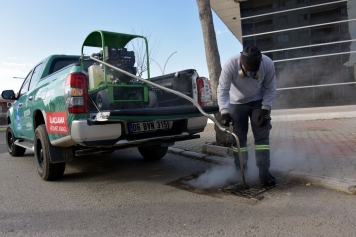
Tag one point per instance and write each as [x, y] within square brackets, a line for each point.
[313, 46]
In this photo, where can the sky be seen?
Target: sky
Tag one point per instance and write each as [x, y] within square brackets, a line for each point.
[33, 30]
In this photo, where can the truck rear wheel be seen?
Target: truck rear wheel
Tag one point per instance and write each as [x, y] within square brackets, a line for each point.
[155, 152]
[46, 169]
[10, 141]
[103, 100]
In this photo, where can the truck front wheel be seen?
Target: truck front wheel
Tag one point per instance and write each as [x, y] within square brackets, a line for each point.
[10, 141]
[154, 152]
[46, 169]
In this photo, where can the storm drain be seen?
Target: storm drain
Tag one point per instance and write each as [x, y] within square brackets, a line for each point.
[251, 191]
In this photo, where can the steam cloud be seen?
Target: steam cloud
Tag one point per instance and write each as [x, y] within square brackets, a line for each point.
[219, 176]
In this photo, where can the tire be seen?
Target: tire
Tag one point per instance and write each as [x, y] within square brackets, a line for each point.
[103, 100]
[155, 152]
[152, 100]
[136, 104]
[10, 141]
[45, 168]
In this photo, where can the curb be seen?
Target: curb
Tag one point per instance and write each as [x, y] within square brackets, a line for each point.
[215, 150]
[199, 156]
[341, 185]
[312, 116]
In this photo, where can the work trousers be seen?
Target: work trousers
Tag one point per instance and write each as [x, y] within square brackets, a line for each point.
[241, 113]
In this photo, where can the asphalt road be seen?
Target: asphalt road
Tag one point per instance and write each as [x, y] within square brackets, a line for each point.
[122, 195]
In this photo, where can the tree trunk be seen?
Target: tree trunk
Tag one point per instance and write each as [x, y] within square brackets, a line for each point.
[213, 61]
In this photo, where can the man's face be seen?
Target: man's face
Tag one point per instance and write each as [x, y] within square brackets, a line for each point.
[248, 73]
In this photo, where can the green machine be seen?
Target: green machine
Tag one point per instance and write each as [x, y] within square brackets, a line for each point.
[111, 89]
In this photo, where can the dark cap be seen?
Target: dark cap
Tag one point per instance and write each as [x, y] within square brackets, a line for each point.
[251, 58]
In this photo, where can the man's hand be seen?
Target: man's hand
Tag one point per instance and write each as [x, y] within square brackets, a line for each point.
[263, 117]
[226, 120]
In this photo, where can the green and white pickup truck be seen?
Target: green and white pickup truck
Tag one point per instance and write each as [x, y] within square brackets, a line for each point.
[74, 105]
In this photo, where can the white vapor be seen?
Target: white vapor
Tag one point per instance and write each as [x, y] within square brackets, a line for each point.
[220, 176]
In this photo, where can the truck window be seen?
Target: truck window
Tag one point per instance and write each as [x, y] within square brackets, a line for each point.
[60, 63]
[35, 75]
[25, 84]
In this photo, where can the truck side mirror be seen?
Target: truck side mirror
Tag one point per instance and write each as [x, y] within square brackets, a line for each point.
[8, 95]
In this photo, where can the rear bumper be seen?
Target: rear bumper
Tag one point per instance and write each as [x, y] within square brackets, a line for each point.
[82, 132]
[114, 134]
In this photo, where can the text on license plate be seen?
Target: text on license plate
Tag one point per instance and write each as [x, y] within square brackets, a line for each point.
[148, 126]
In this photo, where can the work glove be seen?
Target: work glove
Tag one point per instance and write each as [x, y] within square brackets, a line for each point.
[226, 120]
[263, 117]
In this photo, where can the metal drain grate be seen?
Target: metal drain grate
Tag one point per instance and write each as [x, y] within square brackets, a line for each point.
[252, 191]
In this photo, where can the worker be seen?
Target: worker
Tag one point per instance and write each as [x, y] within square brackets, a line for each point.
[246, 90]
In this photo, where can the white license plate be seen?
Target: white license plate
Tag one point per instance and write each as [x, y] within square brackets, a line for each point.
[148, 126]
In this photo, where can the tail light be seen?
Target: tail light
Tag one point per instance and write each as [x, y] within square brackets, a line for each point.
[76, 93]
[204, 91]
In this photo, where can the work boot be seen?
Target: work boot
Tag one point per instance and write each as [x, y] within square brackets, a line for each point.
[266, 179]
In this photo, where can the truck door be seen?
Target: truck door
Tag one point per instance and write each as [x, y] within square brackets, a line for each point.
[29, 107]
[20, 106]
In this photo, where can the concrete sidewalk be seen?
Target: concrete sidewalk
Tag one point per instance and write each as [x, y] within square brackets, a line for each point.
[316, 146]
